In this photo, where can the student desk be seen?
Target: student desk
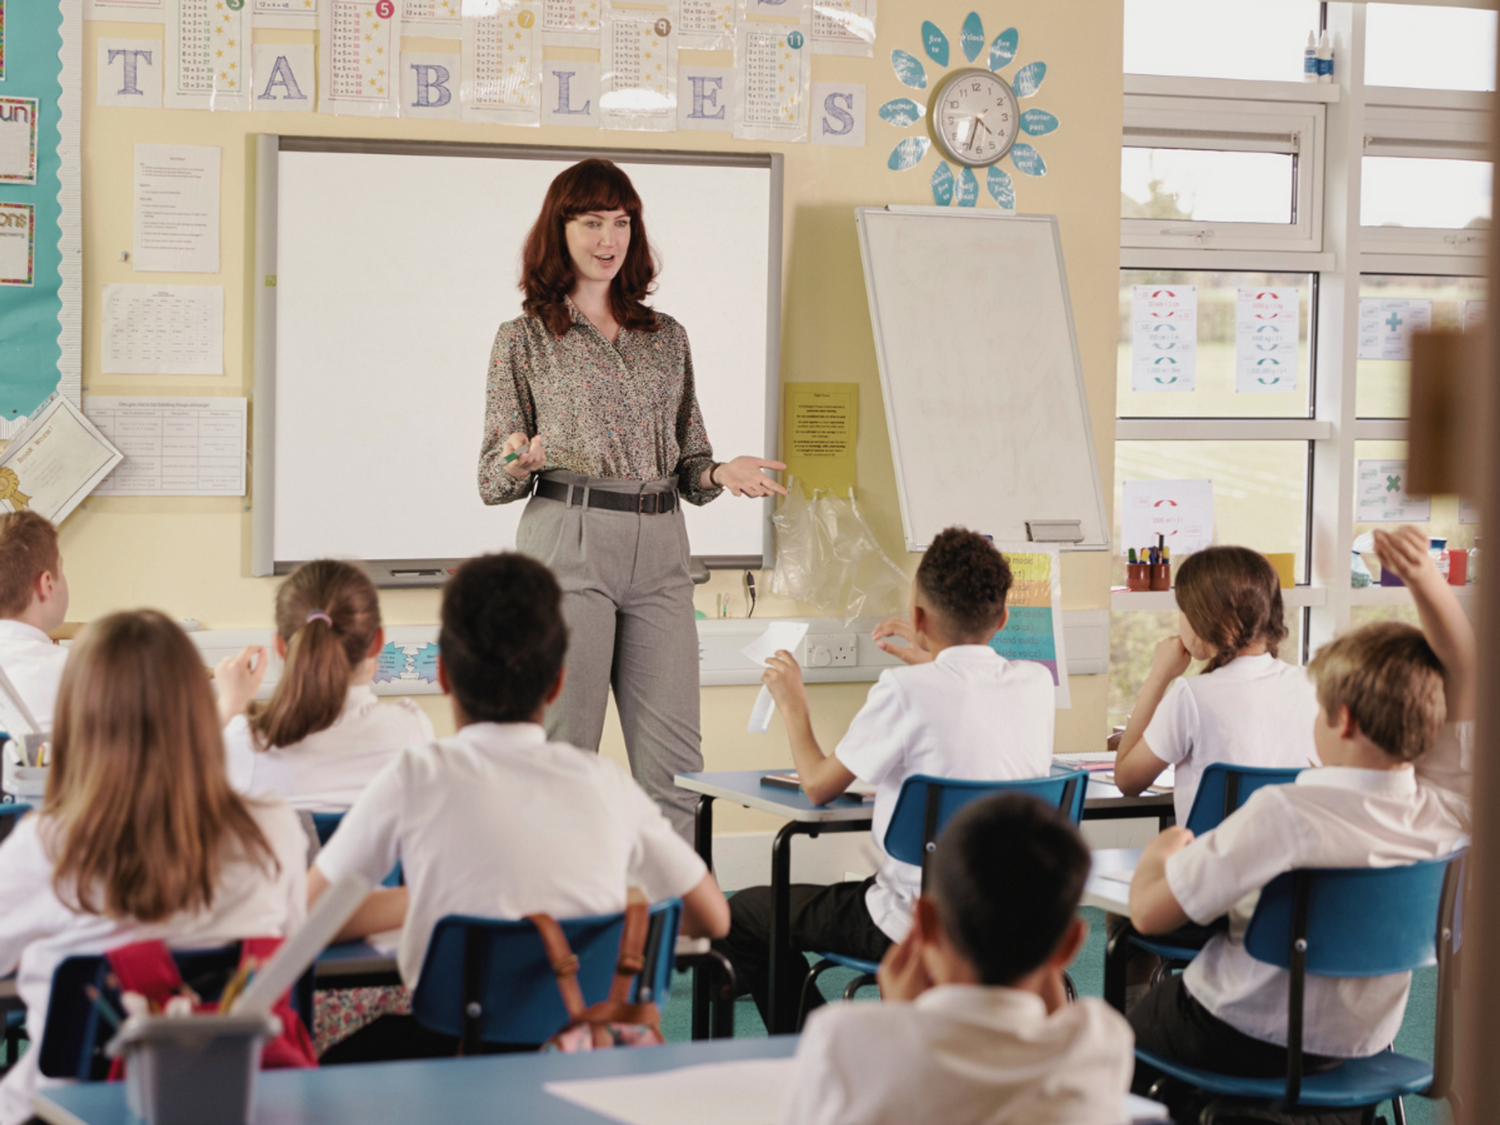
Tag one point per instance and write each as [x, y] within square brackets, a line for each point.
[355, 964]
[1113, 897]
[845, 814]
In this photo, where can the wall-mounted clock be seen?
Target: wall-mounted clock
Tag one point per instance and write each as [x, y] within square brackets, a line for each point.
[973, 117]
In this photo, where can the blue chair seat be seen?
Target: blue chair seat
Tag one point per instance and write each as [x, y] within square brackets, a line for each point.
[866, 967]
[1166, 950]
[1352, 1084]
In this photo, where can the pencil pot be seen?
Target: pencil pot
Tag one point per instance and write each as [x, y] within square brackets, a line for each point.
[1137, 576]
[1161, 576]
[192, 1070]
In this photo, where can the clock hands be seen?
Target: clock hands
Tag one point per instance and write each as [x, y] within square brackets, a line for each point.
[974, 131]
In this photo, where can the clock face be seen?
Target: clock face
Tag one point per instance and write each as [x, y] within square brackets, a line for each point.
[974, 117]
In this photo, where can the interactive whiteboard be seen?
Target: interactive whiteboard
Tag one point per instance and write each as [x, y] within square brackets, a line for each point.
[984, 393]
[383, 271]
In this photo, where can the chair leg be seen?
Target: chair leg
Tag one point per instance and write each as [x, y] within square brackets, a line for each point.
[1398, 1111]
[808, 985]
[1070, 989]
[856, 984]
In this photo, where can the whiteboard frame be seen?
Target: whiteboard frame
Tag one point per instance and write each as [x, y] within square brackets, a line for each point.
[960, 215]
[434, 571]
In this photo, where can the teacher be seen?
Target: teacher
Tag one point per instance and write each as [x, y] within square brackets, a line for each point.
[592, 389]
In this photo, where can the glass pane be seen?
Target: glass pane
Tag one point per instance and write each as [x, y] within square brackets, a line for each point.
[1446, 517]
[1430, 48]
[1260, 490]
[1214, 395]
[1401, 191]
[1207, 185]
[1133, 635]
[1382, 385]
[1219, 38]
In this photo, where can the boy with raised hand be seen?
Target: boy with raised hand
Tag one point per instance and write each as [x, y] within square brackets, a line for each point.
[975, 1026]
[33, 602]
[1395, 735]
[966, 712]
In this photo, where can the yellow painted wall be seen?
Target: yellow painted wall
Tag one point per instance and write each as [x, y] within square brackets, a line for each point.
[191, 556]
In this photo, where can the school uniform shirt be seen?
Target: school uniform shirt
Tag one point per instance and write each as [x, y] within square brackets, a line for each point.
[38, 930]
[1254, 711]
[969, 714]
[962, 1055]
[34, 664]
[1331, 817]
[329, 769]
[500, 823]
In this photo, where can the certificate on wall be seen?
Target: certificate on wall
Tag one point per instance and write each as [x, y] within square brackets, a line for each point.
[18, 140]
[54, 462]
[17, 244]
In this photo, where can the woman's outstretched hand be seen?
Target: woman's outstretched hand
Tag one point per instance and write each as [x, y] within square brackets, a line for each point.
[743, 477]
[532, 455]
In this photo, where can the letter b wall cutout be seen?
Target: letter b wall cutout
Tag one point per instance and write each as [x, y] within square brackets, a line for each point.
[838, 114]
[130, 72]
[430, 85]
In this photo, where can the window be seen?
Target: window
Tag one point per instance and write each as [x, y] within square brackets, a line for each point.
[1429, 48]
[1261, 39]
[1383, 385]
[1405, 192]
[1205, 185]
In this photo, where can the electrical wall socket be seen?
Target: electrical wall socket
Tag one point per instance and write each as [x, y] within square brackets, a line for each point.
[832, 650]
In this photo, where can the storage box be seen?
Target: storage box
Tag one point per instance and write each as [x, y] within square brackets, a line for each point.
[192, 1070]
[1285, 565]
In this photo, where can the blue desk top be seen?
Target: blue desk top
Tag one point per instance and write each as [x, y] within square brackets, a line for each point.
[744, 787]
[485, 1090]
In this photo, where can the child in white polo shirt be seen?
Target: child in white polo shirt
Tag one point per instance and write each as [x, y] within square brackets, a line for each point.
[33, 602]
[961, 710]
[1395, 735]
[975, 1028]
[496, 821]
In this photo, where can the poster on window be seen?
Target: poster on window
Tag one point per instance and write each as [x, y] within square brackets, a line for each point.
[1164, 338]
[1179, 513]
[1382, 495]
[1265, 340]
[1473, 316]
[1386, 325]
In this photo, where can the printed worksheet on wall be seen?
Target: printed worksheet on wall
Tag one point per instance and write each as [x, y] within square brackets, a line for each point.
[126, 11]
[208, 55]
[570, 23]
[359, 57]
[172, 446]
[773, 76]
[502, 67]
[706, 25]
[441, 19]
[843, 27]
[638, 70]
[163, 330]
[300, 14]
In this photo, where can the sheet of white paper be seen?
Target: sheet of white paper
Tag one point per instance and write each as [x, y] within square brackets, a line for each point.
[208, 55]
[1265, 340]
[779, 635]
[1138, 1108]
[748, 1092]
[387, 942]
[163, 330]
[130, 73]
[1118, 876]
[359, 57]
[285, 13]
[1164, 338]
[1386, 325]
[173, 446]
[56, 460]
[128, 11]
[1180, 510]
[176, 208]
[760, 714]
[1381, 495]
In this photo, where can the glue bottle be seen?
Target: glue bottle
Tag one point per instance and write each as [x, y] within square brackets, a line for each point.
[1310, 59]
[1325, 59]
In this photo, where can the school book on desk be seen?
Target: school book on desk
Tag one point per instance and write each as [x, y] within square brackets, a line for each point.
[789, 780]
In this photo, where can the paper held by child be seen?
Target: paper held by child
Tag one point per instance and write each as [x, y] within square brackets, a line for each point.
[778, 636]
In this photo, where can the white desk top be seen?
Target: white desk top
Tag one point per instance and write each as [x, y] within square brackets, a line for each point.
[1110, 894]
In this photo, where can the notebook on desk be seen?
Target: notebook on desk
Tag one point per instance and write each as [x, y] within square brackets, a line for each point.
[789, 780]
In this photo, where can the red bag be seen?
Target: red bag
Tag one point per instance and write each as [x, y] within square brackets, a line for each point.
[147, 967]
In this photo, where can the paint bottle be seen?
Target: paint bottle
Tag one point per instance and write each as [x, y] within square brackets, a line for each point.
[1310, 59]
[1325, 59]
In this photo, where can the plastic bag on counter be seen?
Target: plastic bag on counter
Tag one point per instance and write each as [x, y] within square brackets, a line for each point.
[827, 556]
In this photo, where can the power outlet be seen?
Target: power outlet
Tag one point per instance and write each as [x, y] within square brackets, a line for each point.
[832, 650]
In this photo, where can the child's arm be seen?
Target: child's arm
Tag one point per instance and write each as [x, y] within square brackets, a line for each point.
[911, 652]
[705, 910]
[1154, 909]
[1444, 623]
[383, 909]
[238, 678]
[1136, 766]
[823, 776]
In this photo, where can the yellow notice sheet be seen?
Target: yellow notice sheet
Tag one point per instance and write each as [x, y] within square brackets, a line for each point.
[821, 422]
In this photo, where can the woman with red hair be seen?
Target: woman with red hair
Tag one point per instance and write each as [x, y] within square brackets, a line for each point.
[592, 390]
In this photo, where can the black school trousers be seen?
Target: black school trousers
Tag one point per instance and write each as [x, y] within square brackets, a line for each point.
[831, 919]
[1168, 1021]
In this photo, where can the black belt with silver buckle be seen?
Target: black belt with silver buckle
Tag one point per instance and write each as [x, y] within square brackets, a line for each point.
[644, 503]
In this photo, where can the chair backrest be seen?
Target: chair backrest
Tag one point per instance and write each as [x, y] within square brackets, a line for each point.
[1223, 788]
[10, 813]
[502, 967]
[73, 1040]
[926, 804]
[327, 823]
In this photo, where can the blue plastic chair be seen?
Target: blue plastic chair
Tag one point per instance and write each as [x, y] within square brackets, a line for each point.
[923, 809]
[488, 981]
[14, 1011]
[1222, 790]
[327, 823]
[74, 1036]
[1346, 922]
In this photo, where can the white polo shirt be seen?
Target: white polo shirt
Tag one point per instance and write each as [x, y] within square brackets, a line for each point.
[969, 714]
[1254, 711]
[38, 931]
[329, 769]
[34, 664]
[500, 823]
[962, 1055]
[1332, 817]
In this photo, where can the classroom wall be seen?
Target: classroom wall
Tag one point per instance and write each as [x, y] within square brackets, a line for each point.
[191, 556]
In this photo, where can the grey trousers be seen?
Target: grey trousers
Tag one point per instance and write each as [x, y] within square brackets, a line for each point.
[628, 602]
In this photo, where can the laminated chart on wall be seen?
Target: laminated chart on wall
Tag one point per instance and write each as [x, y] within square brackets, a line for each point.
[502, 66]
[1265, 340]
[208, 55]
[1473, 316]
[162, 330]
[126, 11]
[285, 13]
[18, 127]
[359, 56]
[1178, 513]
[17, 245]
[1381, 496]
[773, 81]
[1034, 630]
[1163, 337]
[1386, 325]
[638, 69]
[843, 27]
[571, 23]
[706, 25]
[441, 19]
[172, 446]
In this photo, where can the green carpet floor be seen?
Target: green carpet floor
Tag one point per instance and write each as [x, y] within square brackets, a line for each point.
[1088, 974]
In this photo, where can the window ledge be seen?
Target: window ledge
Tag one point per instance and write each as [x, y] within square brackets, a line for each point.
[1174, 86]
[1132, 601]
[1400, 595]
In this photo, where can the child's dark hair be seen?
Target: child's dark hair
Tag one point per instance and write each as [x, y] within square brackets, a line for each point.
[1007, 877]
[966, 581]
[503, 638]
[1231, 597]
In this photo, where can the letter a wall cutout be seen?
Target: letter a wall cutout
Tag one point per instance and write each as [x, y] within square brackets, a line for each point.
[838, 114]
[284, 77]
[130, 72]
[430, 85]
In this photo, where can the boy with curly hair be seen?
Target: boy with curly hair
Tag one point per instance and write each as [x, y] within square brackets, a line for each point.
[960, 710]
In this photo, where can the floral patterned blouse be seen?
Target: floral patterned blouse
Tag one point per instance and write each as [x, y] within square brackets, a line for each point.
[626, 411]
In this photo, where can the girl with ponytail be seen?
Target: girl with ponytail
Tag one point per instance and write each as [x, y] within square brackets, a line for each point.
[323, 734]
[1246, 708]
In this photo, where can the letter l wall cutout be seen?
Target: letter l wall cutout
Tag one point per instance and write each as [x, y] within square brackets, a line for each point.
[570, 93]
